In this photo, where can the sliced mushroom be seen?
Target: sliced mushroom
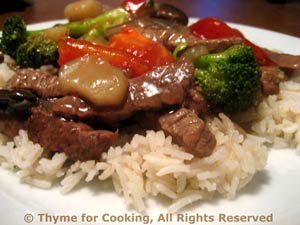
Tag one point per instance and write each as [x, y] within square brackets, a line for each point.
[167, 11]
[19, 100]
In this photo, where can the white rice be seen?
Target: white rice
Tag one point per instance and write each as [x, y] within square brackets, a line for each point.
[279, 117]
[149, 165]
[5, 72]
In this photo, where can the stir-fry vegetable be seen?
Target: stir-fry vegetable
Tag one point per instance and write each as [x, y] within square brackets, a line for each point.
[150, 53]
[95, 36]
[28, 51]
[37, 53]
[128, 50]
[94, 79]
[70, 49]
[14, 34]
[135, 54]
[102, 22]
[82, 9]
[212, 28]
[229, 80]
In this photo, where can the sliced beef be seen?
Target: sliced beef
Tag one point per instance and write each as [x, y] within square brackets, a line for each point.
[14, 110]
[170, 34]
[161, 87]
[189, 131]
[196, 102]
[74, 107]
[271, 76]
[40, 82]
[78, 140]
[289, 63]
[165, 85]
[11, 123]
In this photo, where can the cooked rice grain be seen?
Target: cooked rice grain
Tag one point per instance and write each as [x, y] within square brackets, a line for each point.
[148, 165]
[232, 165]
[5, 72]
[279, 117]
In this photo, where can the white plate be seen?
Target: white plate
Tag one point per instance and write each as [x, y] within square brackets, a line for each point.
[273, 191]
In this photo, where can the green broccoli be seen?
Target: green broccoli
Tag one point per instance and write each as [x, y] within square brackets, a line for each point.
[20, 43]
[28, 50]
[13, 35]
[229, 80]
[36, 52]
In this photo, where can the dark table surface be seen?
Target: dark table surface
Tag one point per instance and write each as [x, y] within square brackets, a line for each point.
[281, 15]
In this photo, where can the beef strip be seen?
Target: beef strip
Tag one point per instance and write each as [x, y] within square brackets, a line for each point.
[289, 63]
[184, 126]
[196, 102]
[11, 123]
[40, 82]
[271, 76]
[189, 131]
[161, 87]
[165, 85]
[78, 140]
[49, 127]
[170, 34]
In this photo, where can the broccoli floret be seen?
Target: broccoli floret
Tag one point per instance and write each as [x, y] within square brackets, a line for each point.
[36, 52]
[13, 35]
[229, 80]
[28, 50]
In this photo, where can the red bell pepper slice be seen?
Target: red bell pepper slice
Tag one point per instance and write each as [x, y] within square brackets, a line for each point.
[128, 50]
[70, 49]
[149, 52]
[212, 28]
